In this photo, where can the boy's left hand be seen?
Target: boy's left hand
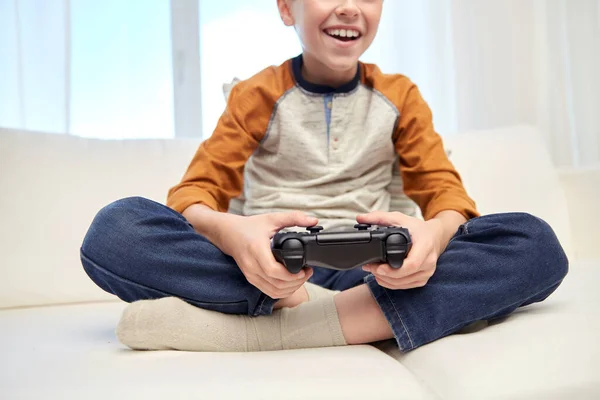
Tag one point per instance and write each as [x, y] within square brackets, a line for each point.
[420, 264]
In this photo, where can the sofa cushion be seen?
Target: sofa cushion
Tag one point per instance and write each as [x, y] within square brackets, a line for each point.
[52, 186]
[510, 169]
[71, 352]
[582, 187]
[547, 351]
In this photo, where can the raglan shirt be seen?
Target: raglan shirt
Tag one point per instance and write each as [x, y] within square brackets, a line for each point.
[285, 144]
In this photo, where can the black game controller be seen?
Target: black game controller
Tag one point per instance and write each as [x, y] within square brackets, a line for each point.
[341, 250]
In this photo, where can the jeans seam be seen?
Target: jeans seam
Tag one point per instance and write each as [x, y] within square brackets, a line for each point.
[260, 306]
[126, 280]
[462, 230]
[371, 281]
[162, 206]
[412, 345]
[453, 329]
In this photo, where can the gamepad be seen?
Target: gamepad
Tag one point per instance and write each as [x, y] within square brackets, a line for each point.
[342, 250]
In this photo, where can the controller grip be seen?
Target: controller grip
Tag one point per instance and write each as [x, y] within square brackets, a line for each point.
[397, 247]
[291, 255]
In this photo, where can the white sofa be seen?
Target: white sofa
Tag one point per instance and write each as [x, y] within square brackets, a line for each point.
[57, 336]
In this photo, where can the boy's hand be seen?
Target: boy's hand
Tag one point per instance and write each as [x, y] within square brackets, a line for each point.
[248, 241]
[419, 265]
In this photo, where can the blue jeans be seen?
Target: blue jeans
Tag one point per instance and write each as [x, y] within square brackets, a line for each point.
[139, 249]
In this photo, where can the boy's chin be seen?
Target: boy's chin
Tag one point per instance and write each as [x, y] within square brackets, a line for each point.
[342, 64]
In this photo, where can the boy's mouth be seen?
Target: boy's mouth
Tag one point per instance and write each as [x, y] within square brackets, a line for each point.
[343, 35]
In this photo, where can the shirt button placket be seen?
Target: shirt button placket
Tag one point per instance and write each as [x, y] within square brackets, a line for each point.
[335, 137]
[336, 143]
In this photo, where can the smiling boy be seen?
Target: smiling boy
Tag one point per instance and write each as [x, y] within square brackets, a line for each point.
[315, 140]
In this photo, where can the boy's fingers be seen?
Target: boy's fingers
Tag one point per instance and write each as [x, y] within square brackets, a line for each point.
[293, 218]
[410, 267]
[273, 273]
[374, 218]
[413, 262]
[258, 281]
[411, 280]
[382, 218]
[370, 267]
[383, 281]
[275, 270]
[394, 286]
[271, 290]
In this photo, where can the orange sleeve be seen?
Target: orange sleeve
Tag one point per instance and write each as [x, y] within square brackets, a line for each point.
[215, 174]
[429, 177]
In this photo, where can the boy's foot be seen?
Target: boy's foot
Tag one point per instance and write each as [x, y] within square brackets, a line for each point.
[300, 296]
[308, 292]
[317, 292]
[172, 324]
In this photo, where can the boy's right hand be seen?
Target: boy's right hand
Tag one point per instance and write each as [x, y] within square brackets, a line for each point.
[248, 240]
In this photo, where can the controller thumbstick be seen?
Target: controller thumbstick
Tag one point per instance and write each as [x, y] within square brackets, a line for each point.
[396, 239]
[314, 229]
[292, 244]
[362, 227]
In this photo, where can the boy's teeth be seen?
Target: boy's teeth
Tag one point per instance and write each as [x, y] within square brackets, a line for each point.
[343, 32]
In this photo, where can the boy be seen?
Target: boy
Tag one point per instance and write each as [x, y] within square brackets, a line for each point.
[314, 141]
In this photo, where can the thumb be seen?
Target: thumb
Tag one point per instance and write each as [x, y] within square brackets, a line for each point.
[380, 218]
[292, 218]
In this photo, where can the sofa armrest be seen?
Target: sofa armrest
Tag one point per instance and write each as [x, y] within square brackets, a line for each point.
[582, 188]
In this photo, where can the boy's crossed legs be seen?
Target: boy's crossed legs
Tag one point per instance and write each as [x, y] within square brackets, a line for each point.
[138, 249]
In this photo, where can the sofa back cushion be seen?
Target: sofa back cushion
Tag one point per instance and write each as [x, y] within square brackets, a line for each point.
[582, 187]
[510, 170]
[52, 187]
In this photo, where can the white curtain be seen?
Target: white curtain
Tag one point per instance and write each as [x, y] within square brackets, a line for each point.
[32, 65]
[486, 64]
[568, 72]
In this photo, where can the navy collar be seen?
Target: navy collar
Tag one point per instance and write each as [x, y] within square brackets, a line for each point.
[321, 89]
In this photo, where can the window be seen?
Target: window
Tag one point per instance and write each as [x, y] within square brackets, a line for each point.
[96, 69]
[121, 69]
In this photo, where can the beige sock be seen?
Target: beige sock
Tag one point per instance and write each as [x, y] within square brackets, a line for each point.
[172, 324]
[317, 292]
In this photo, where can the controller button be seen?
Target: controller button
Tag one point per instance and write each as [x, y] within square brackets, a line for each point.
[362, 227]
[314, 229]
